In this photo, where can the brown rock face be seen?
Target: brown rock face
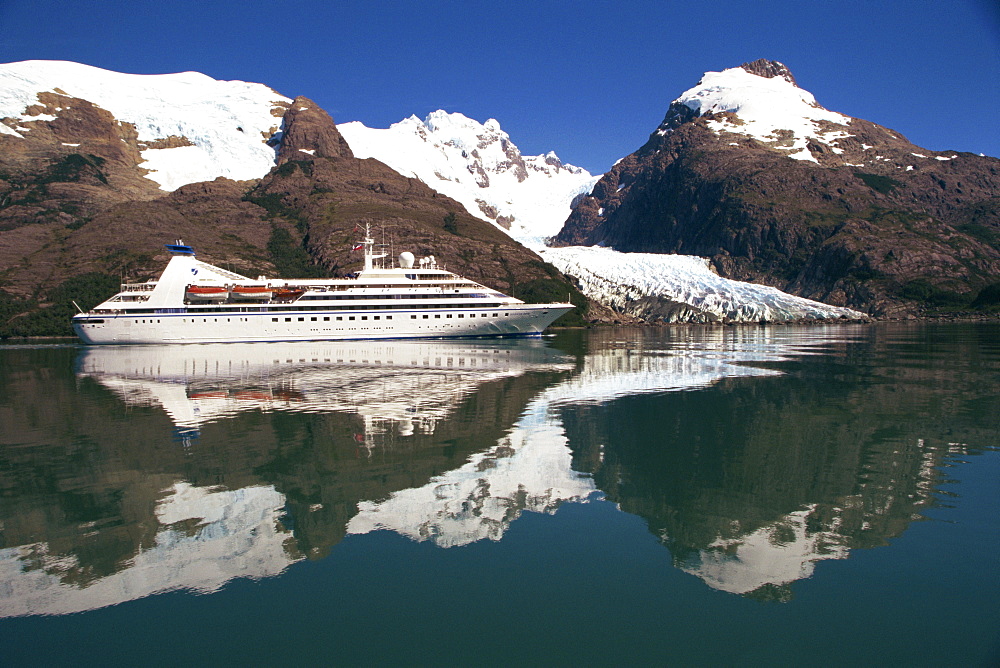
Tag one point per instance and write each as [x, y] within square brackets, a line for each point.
[881, 225]
[106, 154]
[308, 131]
[768, 69]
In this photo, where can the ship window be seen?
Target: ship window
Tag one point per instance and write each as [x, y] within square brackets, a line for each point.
[364, 317]
[313, 319]
[461, 315]
[274, 320]
[288, 319]
[426, 316]
[437, 315]
[413, 317]
[301, 319]
[340, 317]
[388, 317]
[378, 317]
[326, 318]
[350, 317]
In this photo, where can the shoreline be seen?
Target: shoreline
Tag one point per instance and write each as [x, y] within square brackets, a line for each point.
[966, 317]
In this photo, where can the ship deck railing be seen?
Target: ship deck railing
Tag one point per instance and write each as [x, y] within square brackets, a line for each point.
[137, 287]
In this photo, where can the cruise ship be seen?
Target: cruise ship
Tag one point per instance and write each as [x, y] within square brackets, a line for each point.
[196, 302]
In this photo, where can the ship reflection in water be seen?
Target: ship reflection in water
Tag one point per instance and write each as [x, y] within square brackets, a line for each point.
[748, 474]
[405, 386]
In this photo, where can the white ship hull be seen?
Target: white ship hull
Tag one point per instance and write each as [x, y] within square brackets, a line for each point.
[237, 326]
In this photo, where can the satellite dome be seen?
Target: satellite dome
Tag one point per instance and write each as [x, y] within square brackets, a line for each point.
[406, 260]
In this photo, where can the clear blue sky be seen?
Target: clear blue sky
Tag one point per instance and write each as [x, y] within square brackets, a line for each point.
[588, 79]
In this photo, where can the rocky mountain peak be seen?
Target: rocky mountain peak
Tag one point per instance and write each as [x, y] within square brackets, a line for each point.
[760, 101]
[479, 165]
[769, 69]
[308, 131]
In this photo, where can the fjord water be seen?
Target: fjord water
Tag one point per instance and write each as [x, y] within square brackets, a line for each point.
[773, 495]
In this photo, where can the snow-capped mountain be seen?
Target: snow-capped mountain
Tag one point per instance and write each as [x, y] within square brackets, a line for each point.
[176, 129]
[190, 126]
[478, 165]
[762, 101]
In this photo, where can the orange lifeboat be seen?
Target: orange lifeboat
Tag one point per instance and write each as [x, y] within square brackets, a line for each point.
[253, 395]
[287, 294]
[206, 292]
[209, 394]
[251, 292]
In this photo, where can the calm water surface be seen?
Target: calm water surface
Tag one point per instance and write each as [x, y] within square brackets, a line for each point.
[737, 496]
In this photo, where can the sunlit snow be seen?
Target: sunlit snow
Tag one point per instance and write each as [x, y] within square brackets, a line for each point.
[619, 279]
[477, 165]
[224, 120]
[764, 107]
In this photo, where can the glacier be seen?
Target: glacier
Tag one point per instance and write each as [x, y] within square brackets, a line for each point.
[640, 284]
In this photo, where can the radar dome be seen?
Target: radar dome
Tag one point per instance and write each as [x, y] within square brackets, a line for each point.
[406, 260]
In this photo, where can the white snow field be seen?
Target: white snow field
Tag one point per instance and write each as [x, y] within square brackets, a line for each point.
[227, 122]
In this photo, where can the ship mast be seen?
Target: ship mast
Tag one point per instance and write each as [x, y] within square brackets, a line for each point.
[370, 254]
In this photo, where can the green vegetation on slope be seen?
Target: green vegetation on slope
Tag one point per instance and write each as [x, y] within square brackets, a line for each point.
[29, 317]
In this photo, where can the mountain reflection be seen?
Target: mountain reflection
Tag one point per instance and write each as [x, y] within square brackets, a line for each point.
[749, 485]
[752, 454]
